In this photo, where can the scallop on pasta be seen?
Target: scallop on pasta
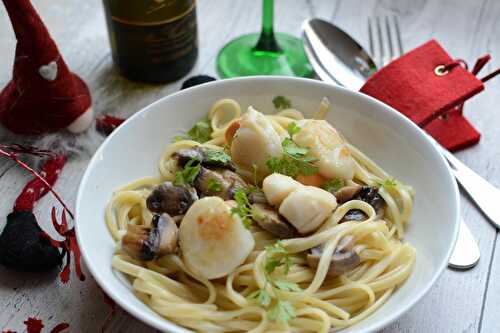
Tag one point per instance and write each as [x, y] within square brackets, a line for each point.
[263, 223]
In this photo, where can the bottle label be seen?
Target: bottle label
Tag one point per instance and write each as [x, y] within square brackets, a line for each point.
[155, 43]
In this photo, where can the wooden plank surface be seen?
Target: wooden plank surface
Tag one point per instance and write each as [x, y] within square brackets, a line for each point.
[467, 29]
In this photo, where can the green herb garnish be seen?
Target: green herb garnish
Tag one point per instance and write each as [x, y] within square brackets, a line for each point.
[261, 296]
[295, 160]
[274, 262]
[214, 186]
[243, 207]
[281, 103]
[287, 286]
[293, 128]
[188, 174]
[333, 185]
[201, 132]
[213, 155]
[389, 183]
[281, 312]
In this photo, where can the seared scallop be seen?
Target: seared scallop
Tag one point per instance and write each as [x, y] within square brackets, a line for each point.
[255, 142]
[213, 241]
[307, 207]
[326, 144]
[277, 187]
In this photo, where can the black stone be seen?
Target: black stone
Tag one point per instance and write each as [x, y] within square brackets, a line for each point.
[196, 80]
[22, 247]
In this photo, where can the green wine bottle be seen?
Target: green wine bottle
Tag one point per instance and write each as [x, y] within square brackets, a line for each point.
[152, 40]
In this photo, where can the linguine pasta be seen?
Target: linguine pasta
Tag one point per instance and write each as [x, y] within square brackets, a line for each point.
[250, 299]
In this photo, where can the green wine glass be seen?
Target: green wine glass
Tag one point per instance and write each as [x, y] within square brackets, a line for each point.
[267, 53]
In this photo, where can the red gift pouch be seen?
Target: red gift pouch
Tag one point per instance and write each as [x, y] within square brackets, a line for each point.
[429, 87]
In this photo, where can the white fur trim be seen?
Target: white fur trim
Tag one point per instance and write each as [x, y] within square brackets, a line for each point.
[83, 122]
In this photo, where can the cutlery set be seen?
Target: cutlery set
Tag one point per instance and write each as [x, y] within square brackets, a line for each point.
[338, 59]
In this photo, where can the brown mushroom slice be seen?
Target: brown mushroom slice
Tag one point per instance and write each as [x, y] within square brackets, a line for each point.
[171, 199]
[218, 182]
[346, 193]
[211, 183]
[205, 156]
[368, 194]
[257, 196]
[234, 179]
[147, 243]
[344, 258]
[268, 219]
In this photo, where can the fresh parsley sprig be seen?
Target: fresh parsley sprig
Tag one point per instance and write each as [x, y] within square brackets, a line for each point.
[295, 160]
[277, 256]
[243, 207]
[333, 185]
[213, 155]
[188, 174]
[280, 310]
[214, 186]
[281, 103]
[201, 132]
[293, 129]
[388, 183]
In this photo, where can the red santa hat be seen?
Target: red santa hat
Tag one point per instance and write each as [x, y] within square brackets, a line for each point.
[43, 95]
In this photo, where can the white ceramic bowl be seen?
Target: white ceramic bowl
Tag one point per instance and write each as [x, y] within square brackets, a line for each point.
[400, 147]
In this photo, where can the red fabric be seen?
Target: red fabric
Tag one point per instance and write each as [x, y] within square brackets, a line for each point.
[35, 189]
[409, 84]
[107, 124]
[453, 131]
[30, 103]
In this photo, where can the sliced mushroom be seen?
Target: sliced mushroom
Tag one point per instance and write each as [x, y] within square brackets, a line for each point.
[171, 199]
[147, 243]
[204, 155]
[344, 258]
[354, 215]
[257, 196]
[234, 179]
[369, 195]
[346, 193]
[268, 219]
[218, 182]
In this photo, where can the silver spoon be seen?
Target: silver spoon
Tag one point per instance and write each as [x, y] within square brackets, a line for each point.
[338, 59]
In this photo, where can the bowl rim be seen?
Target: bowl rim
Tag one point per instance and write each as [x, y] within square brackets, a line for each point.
[155, 322]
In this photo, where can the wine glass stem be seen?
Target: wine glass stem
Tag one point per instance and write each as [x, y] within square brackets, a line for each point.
[267, 42]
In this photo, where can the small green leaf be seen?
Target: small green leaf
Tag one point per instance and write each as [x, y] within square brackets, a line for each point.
[261, 296]
[276, 248]
[214, 186]
[287, 286]
[243, 207]
[389, 183]
[333, 185]
[188, 174]
[213, 155]
[293, 128]
[291, 148]
[178, 138]
[281, 103]
[201, 131]
[281, 312]
[272, 264]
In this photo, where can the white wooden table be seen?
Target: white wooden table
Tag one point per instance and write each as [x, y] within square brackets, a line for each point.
[459, 302]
